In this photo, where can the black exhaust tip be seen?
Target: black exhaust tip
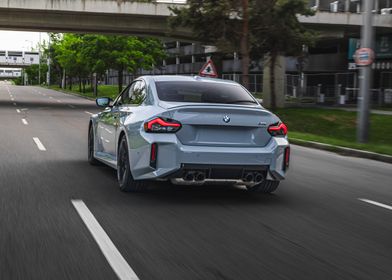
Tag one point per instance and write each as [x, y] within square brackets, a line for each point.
[248, 177]
[189, 176]
[200, 176]
[259, 178]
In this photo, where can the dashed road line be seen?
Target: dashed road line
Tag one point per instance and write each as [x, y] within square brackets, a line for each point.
[109, 250]
[24, 121]
[376, 203]
[14, 104]
[18, 111]
[40, 146]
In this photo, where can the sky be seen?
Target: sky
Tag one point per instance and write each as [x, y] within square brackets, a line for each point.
[20, 41]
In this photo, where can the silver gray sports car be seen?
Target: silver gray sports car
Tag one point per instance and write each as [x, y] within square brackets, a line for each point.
[189, 130]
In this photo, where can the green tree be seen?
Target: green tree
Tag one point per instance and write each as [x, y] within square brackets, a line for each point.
[33, 73]
[84, 55]
[51, 51]
[276, 31]
[71, 58]
[132, 54]
[221, 23]
[255, 27]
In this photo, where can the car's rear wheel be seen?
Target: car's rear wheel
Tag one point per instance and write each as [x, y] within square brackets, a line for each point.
[266, 186]
[124, 175]
[91, 159]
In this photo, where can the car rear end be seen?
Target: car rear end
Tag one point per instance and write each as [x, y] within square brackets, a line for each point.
[223, 134]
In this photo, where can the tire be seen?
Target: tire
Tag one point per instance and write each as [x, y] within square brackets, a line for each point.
[124, 175]
[267, 186]
[90, 152]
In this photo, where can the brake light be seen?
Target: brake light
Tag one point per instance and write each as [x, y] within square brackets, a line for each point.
[278, 129]
[160, 125]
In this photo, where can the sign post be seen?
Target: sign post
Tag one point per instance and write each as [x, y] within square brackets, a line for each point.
[364, 58]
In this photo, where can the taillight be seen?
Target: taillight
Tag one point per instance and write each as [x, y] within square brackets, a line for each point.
[278, 129]
[153, 155]
[286, 162]
[160, 125]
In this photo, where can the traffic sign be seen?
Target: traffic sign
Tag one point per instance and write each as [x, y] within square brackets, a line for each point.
[208, 70]
[364, 56]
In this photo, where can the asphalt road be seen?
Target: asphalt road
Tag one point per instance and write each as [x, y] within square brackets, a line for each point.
[313, 227]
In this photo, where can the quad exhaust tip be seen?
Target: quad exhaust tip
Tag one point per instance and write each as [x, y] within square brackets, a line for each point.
[194, 176]
[189, 176]
[253, 177]
[248, 177]
[200, 176]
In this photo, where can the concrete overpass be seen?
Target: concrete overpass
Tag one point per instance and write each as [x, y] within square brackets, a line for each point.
[89, 16]
[125, 17]
[10, 73]
[18, 59]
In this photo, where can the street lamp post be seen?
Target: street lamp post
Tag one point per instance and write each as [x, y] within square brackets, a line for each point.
[365, 75]
[48, 73]
[39, 60]
[31, 44]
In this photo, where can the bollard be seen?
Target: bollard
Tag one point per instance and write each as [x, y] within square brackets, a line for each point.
[388, 96]
[342, 99]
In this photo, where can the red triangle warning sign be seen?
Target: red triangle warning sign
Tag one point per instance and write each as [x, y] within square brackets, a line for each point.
[208, 70]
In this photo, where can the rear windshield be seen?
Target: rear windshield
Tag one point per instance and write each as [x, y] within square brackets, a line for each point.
[202, 92]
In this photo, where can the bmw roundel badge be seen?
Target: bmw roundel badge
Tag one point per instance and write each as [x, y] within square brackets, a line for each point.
[226, 119]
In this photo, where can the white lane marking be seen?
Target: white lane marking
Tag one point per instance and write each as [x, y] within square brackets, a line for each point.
[109, 250]
[24, 121]
[87, 112]
[44, 94]
[12, 99]
[14, 104]
[18, 111]
[59, 101]
[376, 203]
[51, 97]
[72, 106]
[40, 146]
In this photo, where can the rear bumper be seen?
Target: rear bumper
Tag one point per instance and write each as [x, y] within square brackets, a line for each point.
[174, 157]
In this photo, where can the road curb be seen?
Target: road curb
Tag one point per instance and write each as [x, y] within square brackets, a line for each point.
[71, 93]
[342, 150]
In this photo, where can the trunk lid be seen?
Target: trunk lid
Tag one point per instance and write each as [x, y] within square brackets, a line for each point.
[222, 125]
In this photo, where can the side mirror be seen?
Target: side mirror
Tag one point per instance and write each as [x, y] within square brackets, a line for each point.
[103, 102]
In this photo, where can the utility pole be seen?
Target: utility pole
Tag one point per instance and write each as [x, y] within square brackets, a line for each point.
[39, 60]
[365, 75]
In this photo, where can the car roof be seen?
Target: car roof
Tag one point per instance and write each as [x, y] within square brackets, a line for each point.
[180, 78]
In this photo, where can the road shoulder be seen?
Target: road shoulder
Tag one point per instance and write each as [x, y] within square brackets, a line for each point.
[342, 150]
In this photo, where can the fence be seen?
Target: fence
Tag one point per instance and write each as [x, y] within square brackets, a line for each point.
[324, 88]
[255, 81]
